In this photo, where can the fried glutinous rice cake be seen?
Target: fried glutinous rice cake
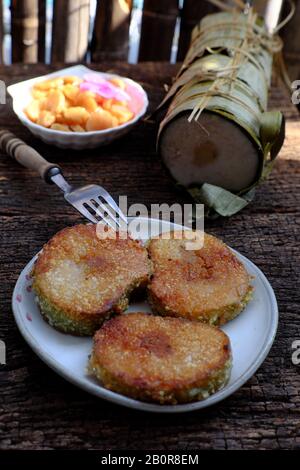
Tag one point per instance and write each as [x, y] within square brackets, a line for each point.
[160, 359]
[81, 279]
[209, 284]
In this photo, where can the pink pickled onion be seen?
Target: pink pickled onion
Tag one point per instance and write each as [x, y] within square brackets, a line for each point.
[100, 86]
[94, 78]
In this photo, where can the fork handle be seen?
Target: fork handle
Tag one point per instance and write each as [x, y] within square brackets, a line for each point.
[27, 156]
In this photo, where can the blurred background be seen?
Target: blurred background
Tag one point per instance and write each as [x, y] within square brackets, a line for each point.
[132, 30]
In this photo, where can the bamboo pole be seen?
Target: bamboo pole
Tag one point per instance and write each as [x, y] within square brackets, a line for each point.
[70, 30]
[191, 14]
[24, 30]
[41, 30]
[1, 33]
[158, 26]
[111, 30]
[291, 39]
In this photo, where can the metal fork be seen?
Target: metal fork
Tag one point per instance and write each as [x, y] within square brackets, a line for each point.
[92, 201]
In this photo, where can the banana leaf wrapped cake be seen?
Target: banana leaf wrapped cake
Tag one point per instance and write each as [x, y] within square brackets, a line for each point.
[217, 138]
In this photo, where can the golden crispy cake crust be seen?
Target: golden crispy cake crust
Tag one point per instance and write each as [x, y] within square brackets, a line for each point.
[162, 359]
[208, 284]
[80, 278]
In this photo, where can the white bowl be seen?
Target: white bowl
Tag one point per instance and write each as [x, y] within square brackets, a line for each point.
[21, 94]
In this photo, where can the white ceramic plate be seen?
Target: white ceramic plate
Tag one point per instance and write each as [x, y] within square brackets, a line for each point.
[251, 334]
[21, 94]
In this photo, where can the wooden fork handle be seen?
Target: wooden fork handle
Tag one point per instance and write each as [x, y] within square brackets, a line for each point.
[27, 156]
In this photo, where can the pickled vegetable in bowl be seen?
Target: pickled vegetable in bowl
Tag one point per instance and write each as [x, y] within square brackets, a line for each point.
[74, 104]
[124, 101]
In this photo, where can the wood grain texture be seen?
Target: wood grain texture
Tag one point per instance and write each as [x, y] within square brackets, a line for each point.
[38, 409]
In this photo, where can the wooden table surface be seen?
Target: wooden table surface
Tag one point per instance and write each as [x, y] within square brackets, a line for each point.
[40, 410]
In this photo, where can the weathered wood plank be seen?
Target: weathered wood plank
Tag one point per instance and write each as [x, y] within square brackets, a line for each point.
[157, 31]
[111, 30]
[38, 409]
[70, 30]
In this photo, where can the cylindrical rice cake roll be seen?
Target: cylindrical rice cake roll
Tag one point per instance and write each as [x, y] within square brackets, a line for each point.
[217, 139]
